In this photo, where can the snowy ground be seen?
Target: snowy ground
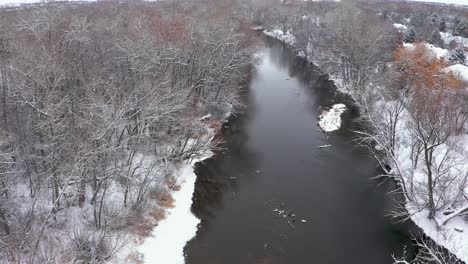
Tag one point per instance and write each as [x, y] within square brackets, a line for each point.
[287, 37]
[400, 27]
[20, 2]
[452, 233]
[447, 38]
[168, 239]
[460, 71]
[13, 3]
[450, 2]
[436, 51]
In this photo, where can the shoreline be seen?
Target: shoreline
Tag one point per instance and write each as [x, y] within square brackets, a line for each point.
[416, 219]
[179, 225]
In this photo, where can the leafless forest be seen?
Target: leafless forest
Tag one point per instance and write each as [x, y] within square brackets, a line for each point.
[99, 104]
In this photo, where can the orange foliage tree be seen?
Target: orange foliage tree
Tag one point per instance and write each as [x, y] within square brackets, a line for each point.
[435, 114]
[422, 74]
[423, 70]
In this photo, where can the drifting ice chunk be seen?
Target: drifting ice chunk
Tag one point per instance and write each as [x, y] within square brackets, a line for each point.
[331, 120]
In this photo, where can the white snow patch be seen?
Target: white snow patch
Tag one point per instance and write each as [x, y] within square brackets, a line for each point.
[287, 37]
[17, 3]
[449, 2]
[460, 71]
[408, 45]
[438, 52]
[13, 3]
[400, 27]
[447, 38]
[445, 229]
[166, 245]
[443, 232]
[331, 120]
[448, 235]
[435, 51]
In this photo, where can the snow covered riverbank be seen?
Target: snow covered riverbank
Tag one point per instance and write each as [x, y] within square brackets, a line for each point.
[167, 241]
[449, 229]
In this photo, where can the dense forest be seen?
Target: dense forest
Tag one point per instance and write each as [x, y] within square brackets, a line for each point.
[100, 103]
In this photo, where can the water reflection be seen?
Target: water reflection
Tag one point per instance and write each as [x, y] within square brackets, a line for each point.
[220, 176]
[271, 161]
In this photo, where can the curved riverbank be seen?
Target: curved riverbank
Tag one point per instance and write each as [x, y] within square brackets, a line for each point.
[272, 192]
[418, 225]
[168, 239]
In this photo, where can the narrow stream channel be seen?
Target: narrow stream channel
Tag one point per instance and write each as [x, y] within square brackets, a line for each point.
[334, 212]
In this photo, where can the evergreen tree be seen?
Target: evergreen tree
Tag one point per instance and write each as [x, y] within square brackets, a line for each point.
[443, 25]
[410, 35]
[462, 29]
[419, 19]
[456, 21]
[436, 39]
[385, 14]
[458, 56]
[434, 19]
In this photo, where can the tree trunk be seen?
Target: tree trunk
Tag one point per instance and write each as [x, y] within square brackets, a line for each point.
[430, 185]
[4, 222]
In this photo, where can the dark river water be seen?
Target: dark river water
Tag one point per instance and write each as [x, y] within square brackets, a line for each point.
[271, 161]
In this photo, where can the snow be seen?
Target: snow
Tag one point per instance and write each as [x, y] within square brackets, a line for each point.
[331, 120]
[444, 229]
[321, 0]
[453, 234]
[451, 230]
[436, 51]
[15, 3]
[21, 2]
[168, 239]
[205, 117]
[450, 2]
[460, 71]
[400, 27]
[408, 45]
[166, 245]
[447, 38]
[287, 37]
[448, 235]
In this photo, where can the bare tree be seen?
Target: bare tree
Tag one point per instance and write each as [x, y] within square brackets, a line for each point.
[429, 252]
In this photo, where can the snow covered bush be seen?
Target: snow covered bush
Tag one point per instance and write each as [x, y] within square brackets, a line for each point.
[461, 29]
[410, 35]
[436, 39]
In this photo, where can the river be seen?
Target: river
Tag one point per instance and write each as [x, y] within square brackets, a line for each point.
[335, 212]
